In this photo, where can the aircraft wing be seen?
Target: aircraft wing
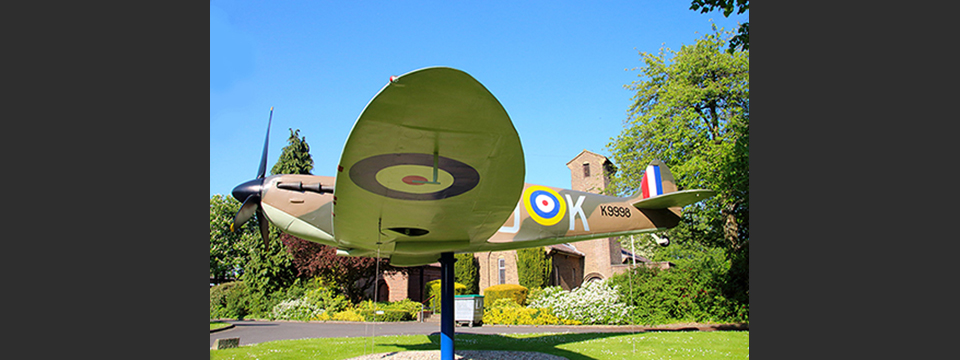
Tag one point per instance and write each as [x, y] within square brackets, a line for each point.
[674, 199]
[432, 164]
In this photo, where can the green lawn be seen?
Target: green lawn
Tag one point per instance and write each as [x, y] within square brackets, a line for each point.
[660, 345]
[217, 325]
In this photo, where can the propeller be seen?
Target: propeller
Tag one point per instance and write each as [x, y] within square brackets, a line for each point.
[251, 191]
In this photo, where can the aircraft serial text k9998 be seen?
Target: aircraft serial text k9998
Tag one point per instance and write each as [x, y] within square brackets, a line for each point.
[434, 165]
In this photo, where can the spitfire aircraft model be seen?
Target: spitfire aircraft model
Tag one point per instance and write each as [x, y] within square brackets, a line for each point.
[433, 166]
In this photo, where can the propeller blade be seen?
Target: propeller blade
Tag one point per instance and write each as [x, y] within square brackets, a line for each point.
[262, 171]
[264, 227]
[250, 205]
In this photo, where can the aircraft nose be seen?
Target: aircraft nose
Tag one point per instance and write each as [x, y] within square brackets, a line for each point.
[243, 191]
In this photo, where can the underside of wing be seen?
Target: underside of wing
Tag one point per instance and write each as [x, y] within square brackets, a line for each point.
[674, 199]
[432, 164]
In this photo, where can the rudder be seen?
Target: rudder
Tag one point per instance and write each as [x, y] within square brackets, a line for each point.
[657, 180]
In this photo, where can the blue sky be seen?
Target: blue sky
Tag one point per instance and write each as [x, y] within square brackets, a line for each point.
[557, 67]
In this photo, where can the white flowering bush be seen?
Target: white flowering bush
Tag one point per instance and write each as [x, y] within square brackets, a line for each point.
[319, 303]
[593, 303]
[301, 309]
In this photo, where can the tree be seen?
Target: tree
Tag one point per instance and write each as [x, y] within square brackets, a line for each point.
[692, 110]
[466, 271]
[295, 157]
[640, 244]
[533, 267]
[353, 276]
[270, 267]
[742, 39]
[227, 249]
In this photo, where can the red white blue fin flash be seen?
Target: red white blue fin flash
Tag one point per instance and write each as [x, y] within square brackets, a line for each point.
[652, 184]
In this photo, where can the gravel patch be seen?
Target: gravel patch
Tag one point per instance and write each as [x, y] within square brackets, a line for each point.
[463, 355]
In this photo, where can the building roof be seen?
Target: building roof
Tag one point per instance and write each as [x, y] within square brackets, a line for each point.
[590, 152]
[564, 248]
[626, 257]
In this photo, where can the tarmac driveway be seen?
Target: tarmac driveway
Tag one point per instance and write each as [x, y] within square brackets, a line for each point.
[253, 332]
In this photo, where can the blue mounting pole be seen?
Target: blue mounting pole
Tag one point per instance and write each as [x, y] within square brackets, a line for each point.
[446, 306]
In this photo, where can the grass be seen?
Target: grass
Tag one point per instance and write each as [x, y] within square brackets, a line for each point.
[217, 325]
[659, 345]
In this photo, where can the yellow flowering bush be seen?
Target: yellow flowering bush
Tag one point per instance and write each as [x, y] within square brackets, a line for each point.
[348, 315]
[324, 316]
[507, 312]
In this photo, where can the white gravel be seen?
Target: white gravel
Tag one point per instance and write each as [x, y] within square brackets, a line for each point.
[462, 355]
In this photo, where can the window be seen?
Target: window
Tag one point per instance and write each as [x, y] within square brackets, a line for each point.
[503, 270]
[586, 169]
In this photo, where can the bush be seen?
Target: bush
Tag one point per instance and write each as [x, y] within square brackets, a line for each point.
[403, 310]
[409, 306]
[693, 291]
[507, 312]
[297, 309]
[316, 303]
[433, 289]
[593, 303]
[218, 300]
[387, 315]
[299, 288]
[506, 291]
[230, 301]
[325, 298]
[348, 315]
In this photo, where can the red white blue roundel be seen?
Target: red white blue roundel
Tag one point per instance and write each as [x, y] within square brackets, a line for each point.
[544, 205]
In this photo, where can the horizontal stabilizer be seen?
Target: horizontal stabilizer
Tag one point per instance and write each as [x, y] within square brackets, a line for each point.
[674, 199]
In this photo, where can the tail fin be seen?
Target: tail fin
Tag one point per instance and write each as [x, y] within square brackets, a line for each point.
[659, 191]
[657, 180]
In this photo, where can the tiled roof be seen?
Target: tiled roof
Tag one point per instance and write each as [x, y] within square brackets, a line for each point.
[567, 248]
[625, 257]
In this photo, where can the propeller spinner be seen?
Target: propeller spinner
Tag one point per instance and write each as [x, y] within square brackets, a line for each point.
[250, 193]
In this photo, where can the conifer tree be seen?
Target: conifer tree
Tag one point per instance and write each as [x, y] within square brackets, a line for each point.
[533, 267]
[466, 270]
[270, 266]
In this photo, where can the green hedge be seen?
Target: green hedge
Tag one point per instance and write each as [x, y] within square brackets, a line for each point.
[388, 315]
[506, 291]
[433, 289]
[693, 291]
[403, 310]
[229, 301]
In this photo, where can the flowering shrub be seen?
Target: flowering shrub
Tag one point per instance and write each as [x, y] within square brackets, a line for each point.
[508, 312]
[315, 304]
[593, 303]
[348, 315]
[297, 309]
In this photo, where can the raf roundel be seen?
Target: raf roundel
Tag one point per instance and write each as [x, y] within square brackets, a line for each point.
[413, 176]
[544, 205]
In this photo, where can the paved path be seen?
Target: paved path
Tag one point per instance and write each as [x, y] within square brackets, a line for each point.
[253, 332]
